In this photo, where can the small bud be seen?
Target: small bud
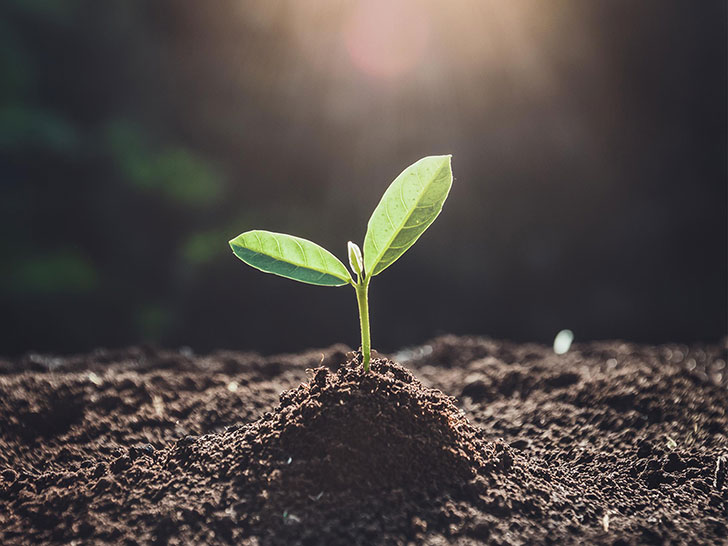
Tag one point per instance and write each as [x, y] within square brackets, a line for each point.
[355, 261]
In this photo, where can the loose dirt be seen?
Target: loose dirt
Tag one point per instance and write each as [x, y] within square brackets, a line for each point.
[464, 440]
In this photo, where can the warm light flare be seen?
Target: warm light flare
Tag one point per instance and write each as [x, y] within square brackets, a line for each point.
[387, 39]
[391, 40]
[388, 71]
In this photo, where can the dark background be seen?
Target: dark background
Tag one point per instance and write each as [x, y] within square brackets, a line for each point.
[137, 137]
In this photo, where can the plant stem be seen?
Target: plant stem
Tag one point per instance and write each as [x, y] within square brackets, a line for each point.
[362, 298]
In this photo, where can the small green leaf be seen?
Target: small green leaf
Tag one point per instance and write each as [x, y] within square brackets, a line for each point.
[290, 257]
[408, 207]
[355, 259]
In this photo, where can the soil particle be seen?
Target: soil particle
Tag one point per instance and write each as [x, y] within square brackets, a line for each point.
[611, 443]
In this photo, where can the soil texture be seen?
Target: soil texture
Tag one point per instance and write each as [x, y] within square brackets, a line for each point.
[463, 440]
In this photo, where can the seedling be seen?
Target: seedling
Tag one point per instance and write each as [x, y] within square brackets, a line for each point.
[406, 210]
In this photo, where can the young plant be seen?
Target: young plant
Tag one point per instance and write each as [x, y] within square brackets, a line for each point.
[408, 207]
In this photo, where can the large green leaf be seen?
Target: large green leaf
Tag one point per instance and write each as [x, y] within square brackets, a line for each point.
[290, 257]
[408, 207]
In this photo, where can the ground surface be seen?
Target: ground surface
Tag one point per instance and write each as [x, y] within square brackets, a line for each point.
[611, 443]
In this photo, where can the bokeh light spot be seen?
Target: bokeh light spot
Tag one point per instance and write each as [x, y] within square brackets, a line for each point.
[387, 39]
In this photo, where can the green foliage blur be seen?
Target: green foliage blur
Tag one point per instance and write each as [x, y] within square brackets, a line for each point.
[74, 239]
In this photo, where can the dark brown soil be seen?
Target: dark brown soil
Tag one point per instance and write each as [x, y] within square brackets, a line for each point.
[611, 443]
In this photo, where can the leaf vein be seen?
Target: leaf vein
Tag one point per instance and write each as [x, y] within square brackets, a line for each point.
[303, 252]
[401, 196]
[260, 244]
[386, 211]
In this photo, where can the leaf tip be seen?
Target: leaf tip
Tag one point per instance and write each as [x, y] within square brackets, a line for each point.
[235, 241]
[445, 160]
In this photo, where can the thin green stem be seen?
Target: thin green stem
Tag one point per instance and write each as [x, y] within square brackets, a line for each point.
[362, 299]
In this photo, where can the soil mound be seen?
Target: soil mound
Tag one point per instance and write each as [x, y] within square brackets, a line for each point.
[346, 448]
[369, 431]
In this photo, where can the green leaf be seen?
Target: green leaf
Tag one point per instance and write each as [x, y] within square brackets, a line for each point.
[290, 257]
[408, 207]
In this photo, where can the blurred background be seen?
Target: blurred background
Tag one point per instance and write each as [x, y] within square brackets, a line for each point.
[137, 138]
